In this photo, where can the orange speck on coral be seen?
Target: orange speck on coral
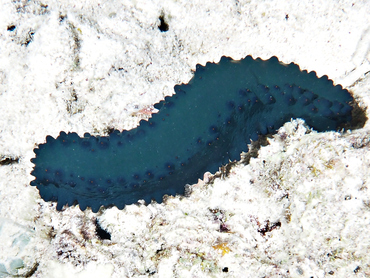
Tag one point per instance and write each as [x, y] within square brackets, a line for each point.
[223, 247]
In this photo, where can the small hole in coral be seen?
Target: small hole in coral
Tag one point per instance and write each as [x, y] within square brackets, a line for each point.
[163, 26]
[8, 160]
[11, 28]
[100, 232]
[357, 269]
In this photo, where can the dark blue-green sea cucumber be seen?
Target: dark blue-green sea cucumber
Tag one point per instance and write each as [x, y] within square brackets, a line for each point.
[207, 123]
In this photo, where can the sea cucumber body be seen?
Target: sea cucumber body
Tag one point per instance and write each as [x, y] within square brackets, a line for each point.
[207, 123]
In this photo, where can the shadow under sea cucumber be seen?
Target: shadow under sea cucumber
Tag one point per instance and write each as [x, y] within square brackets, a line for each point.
[207, 123]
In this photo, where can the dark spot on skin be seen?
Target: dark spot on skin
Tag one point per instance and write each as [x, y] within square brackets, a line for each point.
[213, 129]
[121, 180]
[72, 184]
[150, 174]
[230, 105]
[134, 185]
[103, 145]
[59, 174]
[169, 104]
[86, 144]
[170, 166]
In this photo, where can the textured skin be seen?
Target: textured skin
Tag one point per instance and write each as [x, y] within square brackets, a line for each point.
[207, 123]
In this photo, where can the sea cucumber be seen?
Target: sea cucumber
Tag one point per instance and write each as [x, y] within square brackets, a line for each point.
[207, 123]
